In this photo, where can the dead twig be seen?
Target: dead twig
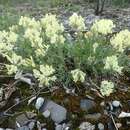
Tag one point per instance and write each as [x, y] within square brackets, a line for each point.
[36, 94]
[114, 122]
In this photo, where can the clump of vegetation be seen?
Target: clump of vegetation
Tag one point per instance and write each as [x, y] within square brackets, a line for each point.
[41, 47]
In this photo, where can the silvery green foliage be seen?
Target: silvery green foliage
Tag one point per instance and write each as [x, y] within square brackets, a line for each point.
[40, 47]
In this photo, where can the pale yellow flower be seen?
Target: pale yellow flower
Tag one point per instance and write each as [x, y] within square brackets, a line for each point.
[53, 29]
[111, 63]
[106, 88]
[45, 75]
[121, 40]
[103, 26]
[78, 75]
[27, 22]
[77, 22]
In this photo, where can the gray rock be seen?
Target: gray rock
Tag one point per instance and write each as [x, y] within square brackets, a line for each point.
[87, 104]
[22, 120]
[31, 125]
[39, 102]
[100, 126]
[23, 128]
[90, 19]
[2, 129]
[46, 113]
[58, 127]
[57, 112]
[62, 127]
[86, 126]
[116, 103]
[119, 125]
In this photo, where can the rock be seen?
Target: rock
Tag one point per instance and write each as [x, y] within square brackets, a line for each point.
[116, 103]
[2, 129]
[22, 120]
[63, 126]
[23, 128]
[87, 104]
[46, 113]
[39, 127]
[90, 19]
[109, 106]
[58, 127]
[8, 129]
[1, 94]
[124, 114]
[17, 100]
[94, 116]
[31, 125]
[44, 129]
[100, 126]
[39, 102]
[86, 126]
[102, 104]
[118, 125]
[57, 112]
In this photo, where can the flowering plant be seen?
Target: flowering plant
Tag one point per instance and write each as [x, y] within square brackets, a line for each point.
[42, 48]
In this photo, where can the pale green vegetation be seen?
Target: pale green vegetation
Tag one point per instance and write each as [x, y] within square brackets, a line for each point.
[40, 47]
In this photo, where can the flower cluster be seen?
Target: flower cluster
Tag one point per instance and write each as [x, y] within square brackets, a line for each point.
[27, 22]
[45, 74]
[106, 88]
[121, 40]
[7, 40]
[111, 63]
[15, 61]
[103, 26]
[53, 30]
[77, 22]
[78, 75]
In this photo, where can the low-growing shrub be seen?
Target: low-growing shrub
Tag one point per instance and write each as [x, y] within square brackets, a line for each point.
[41, 47]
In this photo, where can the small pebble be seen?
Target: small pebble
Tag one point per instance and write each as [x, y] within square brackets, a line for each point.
[17, 100]
[23, 128]
[31, 125]
[116, 103]
[86, 126]
[39, 102]
[118, 125]
[46, 113]
[58, 127]
[100, 126]
[102, 104]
